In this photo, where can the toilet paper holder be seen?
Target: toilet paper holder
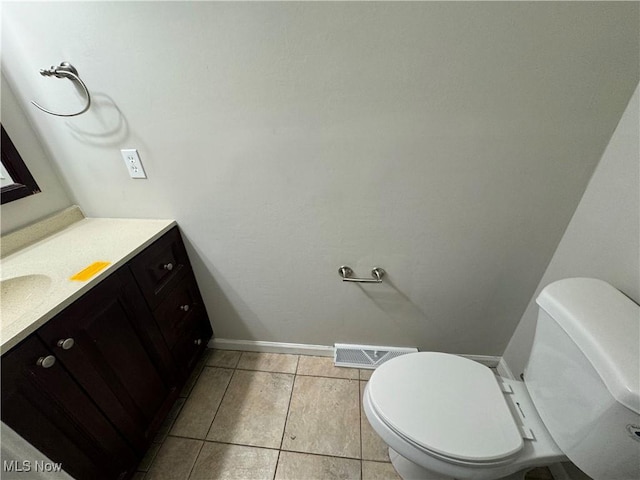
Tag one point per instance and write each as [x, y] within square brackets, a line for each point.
[346, 273]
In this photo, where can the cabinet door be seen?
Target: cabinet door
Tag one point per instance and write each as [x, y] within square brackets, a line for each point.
[115, 351]
[49, 410]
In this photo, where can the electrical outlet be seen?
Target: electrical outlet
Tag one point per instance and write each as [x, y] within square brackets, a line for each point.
[133, 163]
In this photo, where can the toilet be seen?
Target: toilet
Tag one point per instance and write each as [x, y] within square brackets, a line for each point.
[447, 417]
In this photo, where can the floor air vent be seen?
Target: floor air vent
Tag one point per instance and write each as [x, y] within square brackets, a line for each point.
[366, 356]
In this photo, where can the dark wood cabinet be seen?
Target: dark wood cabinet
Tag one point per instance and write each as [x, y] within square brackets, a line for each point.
[115, 352]
[48, 408]
[182, 321]
[166, 280]
[122, 353]
[160, 266]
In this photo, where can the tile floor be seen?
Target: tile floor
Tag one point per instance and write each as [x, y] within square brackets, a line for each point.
[246, 416]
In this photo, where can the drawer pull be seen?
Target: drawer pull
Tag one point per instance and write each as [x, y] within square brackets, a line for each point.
[168, 266]
[46, 362]
[198, 341]
[184, 308]
[66, 343]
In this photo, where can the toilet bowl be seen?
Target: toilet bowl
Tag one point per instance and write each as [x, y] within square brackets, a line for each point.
[447, 417]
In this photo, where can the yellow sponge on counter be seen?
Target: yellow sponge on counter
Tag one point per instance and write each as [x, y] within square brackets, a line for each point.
[90, 271]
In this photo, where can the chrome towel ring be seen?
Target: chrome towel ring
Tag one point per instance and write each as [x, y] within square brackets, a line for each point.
[65, 70]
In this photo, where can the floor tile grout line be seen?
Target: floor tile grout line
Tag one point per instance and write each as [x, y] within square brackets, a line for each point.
[327, 455]
[187, 398]
[286, 418]
[273, 449]
[295, 375]
[275, 470]
[276, 449]
[265, 371]
[290, 373]
[233, 374]
[173, 422]
[204, 365]
[203, 360]
[327, 376]
[195, 461]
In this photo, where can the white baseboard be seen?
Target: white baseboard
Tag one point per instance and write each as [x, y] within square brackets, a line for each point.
[271, 347]
[318, 350]
[488, 360]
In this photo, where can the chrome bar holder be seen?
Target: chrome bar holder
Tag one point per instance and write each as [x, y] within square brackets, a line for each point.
[345, 272]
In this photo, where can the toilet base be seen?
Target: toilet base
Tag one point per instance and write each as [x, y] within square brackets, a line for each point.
[409, 470]
[412, 471]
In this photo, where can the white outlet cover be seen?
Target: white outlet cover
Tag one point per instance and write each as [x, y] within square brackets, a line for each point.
[133, 163]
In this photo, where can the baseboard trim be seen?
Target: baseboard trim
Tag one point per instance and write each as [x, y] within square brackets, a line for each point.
[318, 350]
[271, 347]
[488, 360]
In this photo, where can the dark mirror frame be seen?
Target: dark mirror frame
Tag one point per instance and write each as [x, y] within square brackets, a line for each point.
[24, 183]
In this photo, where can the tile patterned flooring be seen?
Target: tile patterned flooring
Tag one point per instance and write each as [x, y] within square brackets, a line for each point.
[246, 415]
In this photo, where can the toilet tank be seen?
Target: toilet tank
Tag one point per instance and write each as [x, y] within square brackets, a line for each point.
[583, 375]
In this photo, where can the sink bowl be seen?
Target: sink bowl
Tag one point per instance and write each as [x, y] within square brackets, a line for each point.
[18, 295]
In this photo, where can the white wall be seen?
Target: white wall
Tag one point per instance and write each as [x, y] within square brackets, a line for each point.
[603, 237]
[53, 195]
[446, 142]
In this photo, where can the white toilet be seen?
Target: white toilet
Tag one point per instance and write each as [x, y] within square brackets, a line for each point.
[447, 417]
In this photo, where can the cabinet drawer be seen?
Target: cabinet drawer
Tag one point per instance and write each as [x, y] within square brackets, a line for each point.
[180, 311]
[187, 349]
[158, 268]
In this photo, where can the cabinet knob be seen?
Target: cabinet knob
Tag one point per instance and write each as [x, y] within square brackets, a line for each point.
[46, 362]
[198, 341]
[184, 308]
[168, 266]
[66, 343]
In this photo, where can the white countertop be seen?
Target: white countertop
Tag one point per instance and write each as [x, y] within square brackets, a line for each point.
[67, 252]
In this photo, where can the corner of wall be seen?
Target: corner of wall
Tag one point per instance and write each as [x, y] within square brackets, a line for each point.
[602, 239]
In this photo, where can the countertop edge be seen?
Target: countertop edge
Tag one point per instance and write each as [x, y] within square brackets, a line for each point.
[14, 338]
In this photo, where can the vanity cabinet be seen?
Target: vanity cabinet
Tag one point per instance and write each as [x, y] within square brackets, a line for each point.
[160, 267]
[46, 406]
[116, 361]
[167, 283]
[109, 342]
[181, 318]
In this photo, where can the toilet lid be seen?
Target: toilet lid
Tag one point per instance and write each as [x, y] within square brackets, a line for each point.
[446, 404]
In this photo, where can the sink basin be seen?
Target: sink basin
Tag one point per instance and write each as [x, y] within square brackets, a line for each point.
[18, 295]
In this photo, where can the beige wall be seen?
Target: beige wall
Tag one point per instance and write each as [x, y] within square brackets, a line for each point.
[603, 237]
[53, 195]
[448, 143]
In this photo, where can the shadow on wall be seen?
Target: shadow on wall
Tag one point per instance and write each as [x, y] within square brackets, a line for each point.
[241, 322]
[402, 311]
[228, 303]
[104, 123]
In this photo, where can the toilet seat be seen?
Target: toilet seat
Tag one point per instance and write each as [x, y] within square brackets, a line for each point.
[462, 418]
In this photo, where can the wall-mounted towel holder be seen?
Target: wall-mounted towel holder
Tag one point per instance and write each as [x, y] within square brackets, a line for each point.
[345, 272]
[65, 70]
